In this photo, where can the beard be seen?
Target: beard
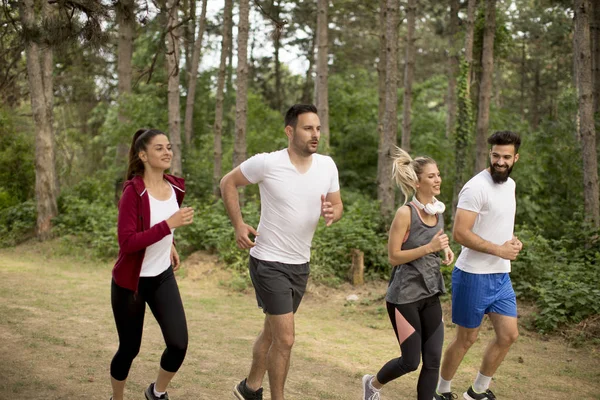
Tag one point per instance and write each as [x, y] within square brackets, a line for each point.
[499, 175]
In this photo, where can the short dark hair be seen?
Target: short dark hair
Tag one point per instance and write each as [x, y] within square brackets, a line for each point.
[504, 138]
[291, 116]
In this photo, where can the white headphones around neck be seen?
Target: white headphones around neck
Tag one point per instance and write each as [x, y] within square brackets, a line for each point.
[437, 207]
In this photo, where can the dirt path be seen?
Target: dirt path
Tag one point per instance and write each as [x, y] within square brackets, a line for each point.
[57, 337]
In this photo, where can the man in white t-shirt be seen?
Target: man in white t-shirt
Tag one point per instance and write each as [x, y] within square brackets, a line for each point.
[297, 187]
[484, 226]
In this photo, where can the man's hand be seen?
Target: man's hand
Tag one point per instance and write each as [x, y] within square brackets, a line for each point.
[326, 210]
[174, 258]
[510, 249]
[242, 236]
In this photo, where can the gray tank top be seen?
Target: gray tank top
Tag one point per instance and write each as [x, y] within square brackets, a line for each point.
[420, 278]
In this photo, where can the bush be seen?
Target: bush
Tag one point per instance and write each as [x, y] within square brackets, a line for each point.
[17, 223]
[561, 276]
[87, 217]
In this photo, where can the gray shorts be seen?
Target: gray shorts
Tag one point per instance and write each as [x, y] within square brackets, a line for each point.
[279, 287]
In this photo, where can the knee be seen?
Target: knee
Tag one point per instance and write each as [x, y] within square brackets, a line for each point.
[284, 341]
[467, 340]
[128, 352]
[432, 360]
[410, 365]
[508, 338]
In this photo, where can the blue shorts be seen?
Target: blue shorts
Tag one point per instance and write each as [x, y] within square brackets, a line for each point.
[474, 295]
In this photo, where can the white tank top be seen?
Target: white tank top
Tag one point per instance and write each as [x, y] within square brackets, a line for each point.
[158, 255]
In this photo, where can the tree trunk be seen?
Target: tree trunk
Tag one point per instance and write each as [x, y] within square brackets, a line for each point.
[173, 50]
[523, 77]
[193, 77]
[485, 87]
[39, 73]
[536, 98]
[276, 7]
[386, 192]
[382, 178]
[241, 103]
[322, 72]
[189, 34]
[409, 68]
[595, 38]
[126, 21]
[453, 47]
[464, 124]
[586, 113]
[307, 89]
[217, 148]
[469, 35]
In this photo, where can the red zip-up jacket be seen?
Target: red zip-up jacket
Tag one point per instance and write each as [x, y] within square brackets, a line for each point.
[133, 229]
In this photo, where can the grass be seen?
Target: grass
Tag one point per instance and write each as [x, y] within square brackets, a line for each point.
[58, 337]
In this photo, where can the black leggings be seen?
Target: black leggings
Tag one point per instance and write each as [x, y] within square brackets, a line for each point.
[419, 329]
[162, 295]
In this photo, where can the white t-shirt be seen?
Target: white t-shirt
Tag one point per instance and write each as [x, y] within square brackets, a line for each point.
[495, 206]
[158, 255]
[290, 203]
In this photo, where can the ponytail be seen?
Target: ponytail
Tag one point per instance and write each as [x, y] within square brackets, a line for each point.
[140, 141]
[406, 171]
[403, 173]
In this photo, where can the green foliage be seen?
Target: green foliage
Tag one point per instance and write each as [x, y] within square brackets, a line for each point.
[353, 128]
[561, 276]
[17, 223]
[359, 228]
[17, 175]
[88, 218]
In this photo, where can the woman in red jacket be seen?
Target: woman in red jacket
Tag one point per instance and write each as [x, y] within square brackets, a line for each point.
[149, 212]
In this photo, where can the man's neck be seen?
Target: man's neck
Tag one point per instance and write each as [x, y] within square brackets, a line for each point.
[300, 161]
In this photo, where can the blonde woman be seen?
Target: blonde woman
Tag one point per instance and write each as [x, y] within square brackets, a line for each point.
[416, 240]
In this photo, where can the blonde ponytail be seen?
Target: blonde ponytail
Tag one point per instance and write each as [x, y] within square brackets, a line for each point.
[406, 171]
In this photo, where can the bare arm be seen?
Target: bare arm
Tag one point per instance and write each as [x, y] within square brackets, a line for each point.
[231, 199]
[463, 234]
[400, 226]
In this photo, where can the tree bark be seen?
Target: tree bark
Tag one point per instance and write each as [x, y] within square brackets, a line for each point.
[485, 87]
[308, 88]
[469, 36]
[386, 192]
[595, 38]
[39, 72]
[536, 98]
[464, 118]
[241, 103]
[218, 128]
[193, 77]
[409, 68]
[452, 67]
[126, 21]
[382, 178]
[173, 51]
[583, 64]
[322, 73]
[276, 7]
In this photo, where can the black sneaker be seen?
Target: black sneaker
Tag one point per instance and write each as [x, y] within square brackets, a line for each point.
[149, 392]
[473, 395]
[445, 396]
[242, 392]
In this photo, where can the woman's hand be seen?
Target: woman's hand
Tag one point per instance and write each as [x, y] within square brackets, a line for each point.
[438, 242]
[184, 216]
[174, 258]
[448, 256]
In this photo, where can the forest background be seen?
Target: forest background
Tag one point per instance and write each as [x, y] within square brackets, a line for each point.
[78, 78]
